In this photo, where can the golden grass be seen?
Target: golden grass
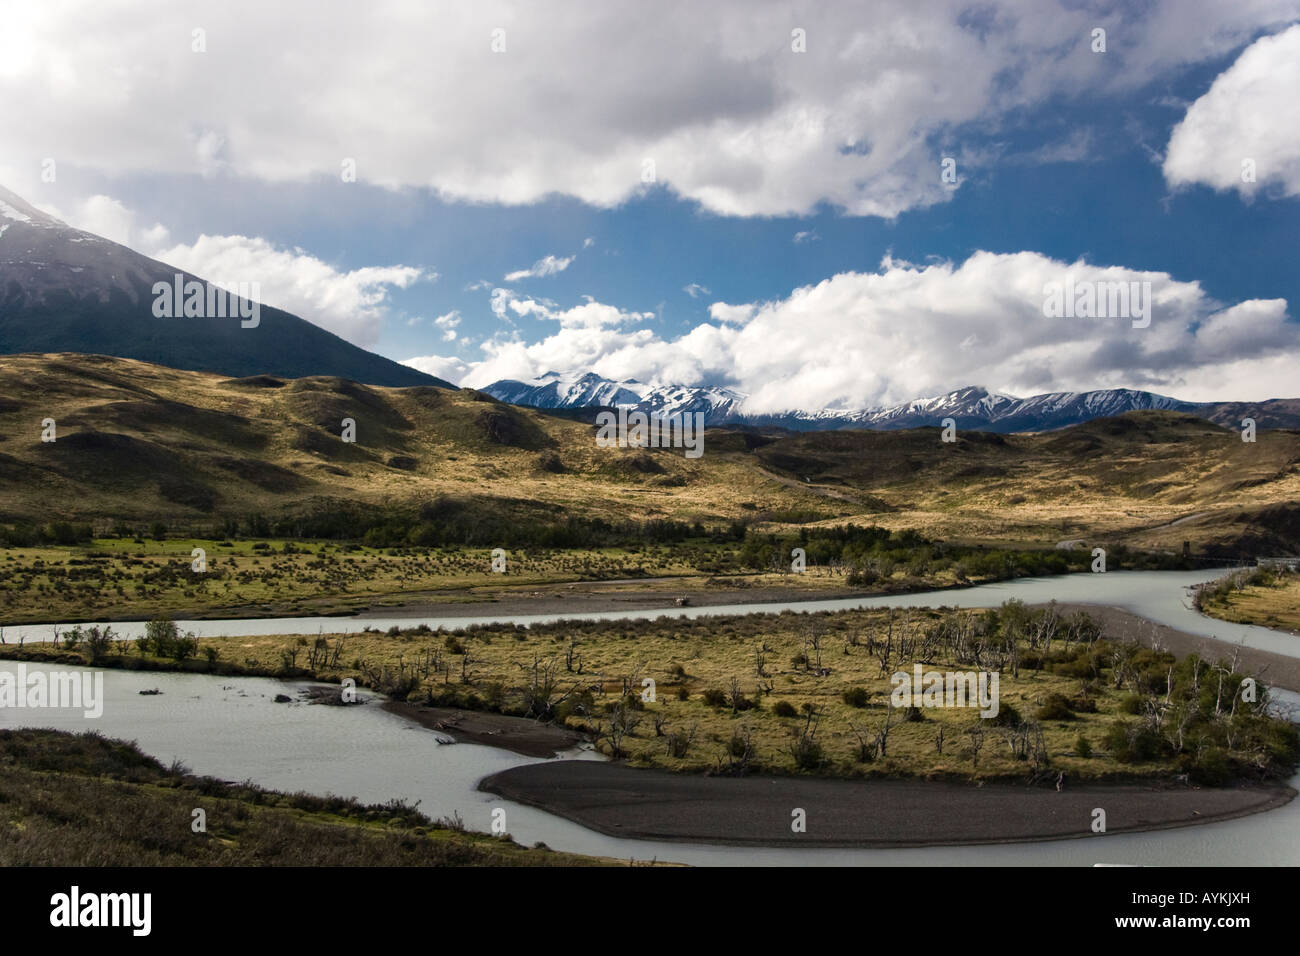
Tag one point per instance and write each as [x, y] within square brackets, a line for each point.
[693, 657]
[230, 449]
[1276, 606]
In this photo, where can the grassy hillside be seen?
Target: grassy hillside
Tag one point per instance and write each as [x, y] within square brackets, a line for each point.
[139, 443]
[85, 800]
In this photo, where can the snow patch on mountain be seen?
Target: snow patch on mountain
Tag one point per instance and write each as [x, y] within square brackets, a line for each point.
[971, 407]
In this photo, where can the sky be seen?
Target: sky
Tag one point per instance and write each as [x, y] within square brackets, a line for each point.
[822, 205]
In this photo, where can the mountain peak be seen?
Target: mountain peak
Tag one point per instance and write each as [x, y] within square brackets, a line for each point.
[66, 290]
[14, 208]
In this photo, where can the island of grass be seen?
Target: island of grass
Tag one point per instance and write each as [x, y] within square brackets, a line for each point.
[85, 800]
[792, 693]
[1267, 596]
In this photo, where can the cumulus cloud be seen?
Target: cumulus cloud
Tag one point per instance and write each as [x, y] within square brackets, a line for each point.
[351, 304]
[447, 323]
[107, 217]
[1250, 115]
[862, 339]
[731, 116]
[447, 368]
[545, 266]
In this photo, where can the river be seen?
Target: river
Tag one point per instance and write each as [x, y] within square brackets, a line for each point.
[232, 728]
[1160, 596]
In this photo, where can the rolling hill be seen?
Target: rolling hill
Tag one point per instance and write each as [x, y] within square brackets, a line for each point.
[140, 442]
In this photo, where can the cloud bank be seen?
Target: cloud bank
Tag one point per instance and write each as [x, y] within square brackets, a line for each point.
[861, 339]
[760, 108]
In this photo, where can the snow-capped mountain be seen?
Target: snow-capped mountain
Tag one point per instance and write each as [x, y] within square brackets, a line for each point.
[579, 390]
[970, 407]
[975, 407]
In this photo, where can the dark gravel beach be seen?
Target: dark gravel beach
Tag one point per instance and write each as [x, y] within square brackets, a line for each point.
[520, 735]
[756, 811]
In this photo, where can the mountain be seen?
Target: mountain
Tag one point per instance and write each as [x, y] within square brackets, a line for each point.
[972, 407]
[65, 290]
[576, 390]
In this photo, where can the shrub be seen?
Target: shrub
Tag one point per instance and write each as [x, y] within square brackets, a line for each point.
[856, 696]
[1055, 707]
[1130, 704]
[783, 708]
[1212, 767]
[807, 753]
[1007, 716]
[1130, 743]
[715, 697]
[1082, 747]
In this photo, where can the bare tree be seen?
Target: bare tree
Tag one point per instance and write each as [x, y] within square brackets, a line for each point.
[882, 732]
[541, 694]
[678, 744]
[977, 736]
[623, 721]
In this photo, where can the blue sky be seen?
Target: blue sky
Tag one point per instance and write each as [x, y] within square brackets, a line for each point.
[1127, 159]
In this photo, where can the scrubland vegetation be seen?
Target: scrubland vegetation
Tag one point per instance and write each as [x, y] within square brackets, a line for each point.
[85, 800]
[796, 693]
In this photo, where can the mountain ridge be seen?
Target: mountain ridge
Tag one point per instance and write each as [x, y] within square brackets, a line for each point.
[972, 406]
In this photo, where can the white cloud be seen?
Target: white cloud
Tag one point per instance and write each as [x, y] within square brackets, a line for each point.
[499, 302]
[1250, 113]
[447, 368]
[805, 235]
[107, 217]
[732, 314]
[448, 323]
[695, 290]
[731, 117]
[545, 266]
[350, 304]
[861, 339]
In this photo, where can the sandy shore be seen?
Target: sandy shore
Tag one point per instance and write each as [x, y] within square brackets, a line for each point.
[756, 811]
